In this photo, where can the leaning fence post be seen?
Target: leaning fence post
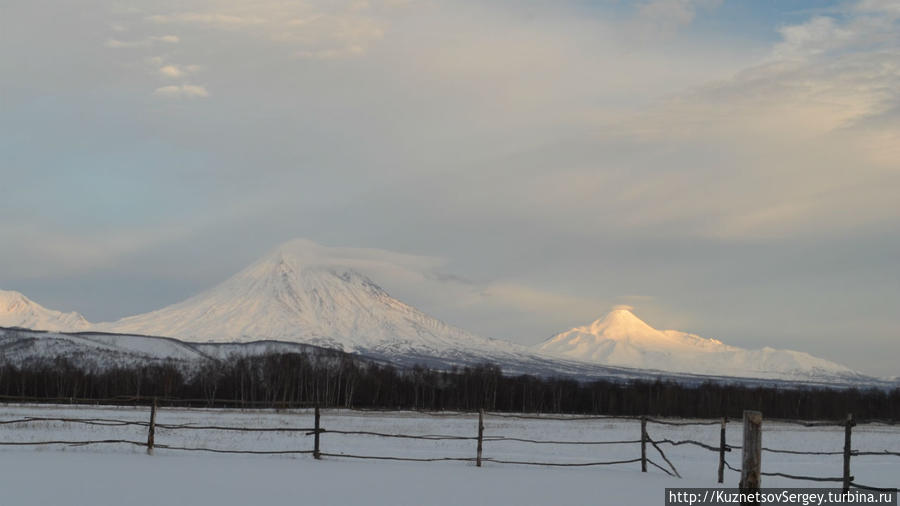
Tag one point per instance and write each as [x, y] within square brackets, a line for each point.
[848, 449]
[316, 453]
[643, 444]
[151, 429]
[480, 436]
[751, 462]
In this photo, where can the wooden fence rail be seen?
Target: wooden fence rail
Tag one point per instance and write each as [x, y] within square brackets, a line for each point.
[752, 448]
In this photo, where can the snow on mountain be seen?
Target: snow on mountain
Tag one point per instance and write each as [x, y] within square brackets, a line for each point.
[623, 339]
[98, 351]
[301, 294]
[93, 351]
[294, 295]
[17, 310]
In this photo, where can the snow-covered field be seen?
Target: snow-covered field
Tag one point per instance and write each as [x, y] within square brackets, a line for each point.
[125, 474]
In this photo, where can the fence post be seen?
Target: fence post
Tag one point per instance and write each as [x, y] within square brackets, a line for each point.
[722, 450]
[151, 430]
[848, 449]
[316, 453]
[480, 436]
[751, 462]
[643, 444]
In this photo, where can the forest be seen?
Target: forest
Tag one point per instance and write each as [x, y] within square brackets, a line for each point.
[340, 380]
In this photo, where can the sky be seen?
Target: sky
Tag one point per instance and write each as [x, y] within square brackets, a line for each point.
[730, 169]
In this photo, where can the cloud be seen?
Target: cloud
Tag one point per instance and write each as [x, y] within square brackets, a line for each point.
[170, 39]
[146, 42]
[62, 253]
[373, 261]
[817, 36]
[182, 91]
[878, 7]
[667, 15]
[522, 298]
[765, 153]
[171, 71]
[330, 54]
[869, 26]
[424, 281]
[700, 161]
[313, 29]
[206, 18]
[550, 152]
[116, 44]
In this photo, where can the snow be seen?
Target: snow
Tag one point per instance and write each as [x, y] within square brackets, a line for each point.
[298, 295]
[623, 339]
[17, 310]
[92, 351]
[291, 295]
[95, 351]
[115, 474]
[139, 480]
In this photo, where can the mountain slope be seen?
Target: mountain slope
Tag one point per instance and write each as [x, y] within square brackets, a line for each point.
[17, 310]
[623, 339]
[290, 295]
[299, 296]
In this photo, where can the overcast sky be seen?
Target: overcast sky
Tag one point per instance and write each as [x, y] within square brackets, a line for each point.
[728, 168]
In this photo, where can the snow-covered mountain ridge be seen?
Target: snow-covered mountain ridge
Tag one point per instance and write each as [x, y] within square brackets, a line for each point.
[295, 295]
[97, 351]
[622, 339]
[17, 310]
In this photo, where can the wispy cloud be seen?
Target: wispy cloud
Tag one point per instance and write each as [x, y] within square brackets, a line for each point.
[145, 42]
[314, 29]
[667, 15]
[174, 71]
[181, 91]
[424, 280]
[171, 71]
[799, 118]
[207, 18]
[63, 253]
[116, 44]
[170, 39]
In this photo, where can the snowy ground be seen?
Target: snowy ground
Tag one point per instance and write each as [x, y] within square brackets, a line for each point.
[124, 474]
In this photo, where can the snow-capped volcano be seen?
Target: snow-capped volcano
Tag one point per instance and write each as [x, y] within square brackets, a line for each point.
[294, 295]
[623, 339]
[306, 294]
[17, 310]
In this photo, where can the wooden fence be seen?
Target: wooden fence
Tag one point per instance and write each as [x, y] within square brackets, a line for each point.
[750, 465]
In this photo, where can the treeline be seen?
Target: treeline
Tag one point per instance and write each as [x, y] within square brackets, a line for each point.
[339, 380]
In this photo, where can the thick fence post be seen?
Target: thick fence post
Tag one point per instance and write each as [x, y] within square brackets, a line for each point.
[722, 450]
[848, 449]
[151, 429]
[480, 436]
[643, 444]
[316, 454]
[751, 462]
